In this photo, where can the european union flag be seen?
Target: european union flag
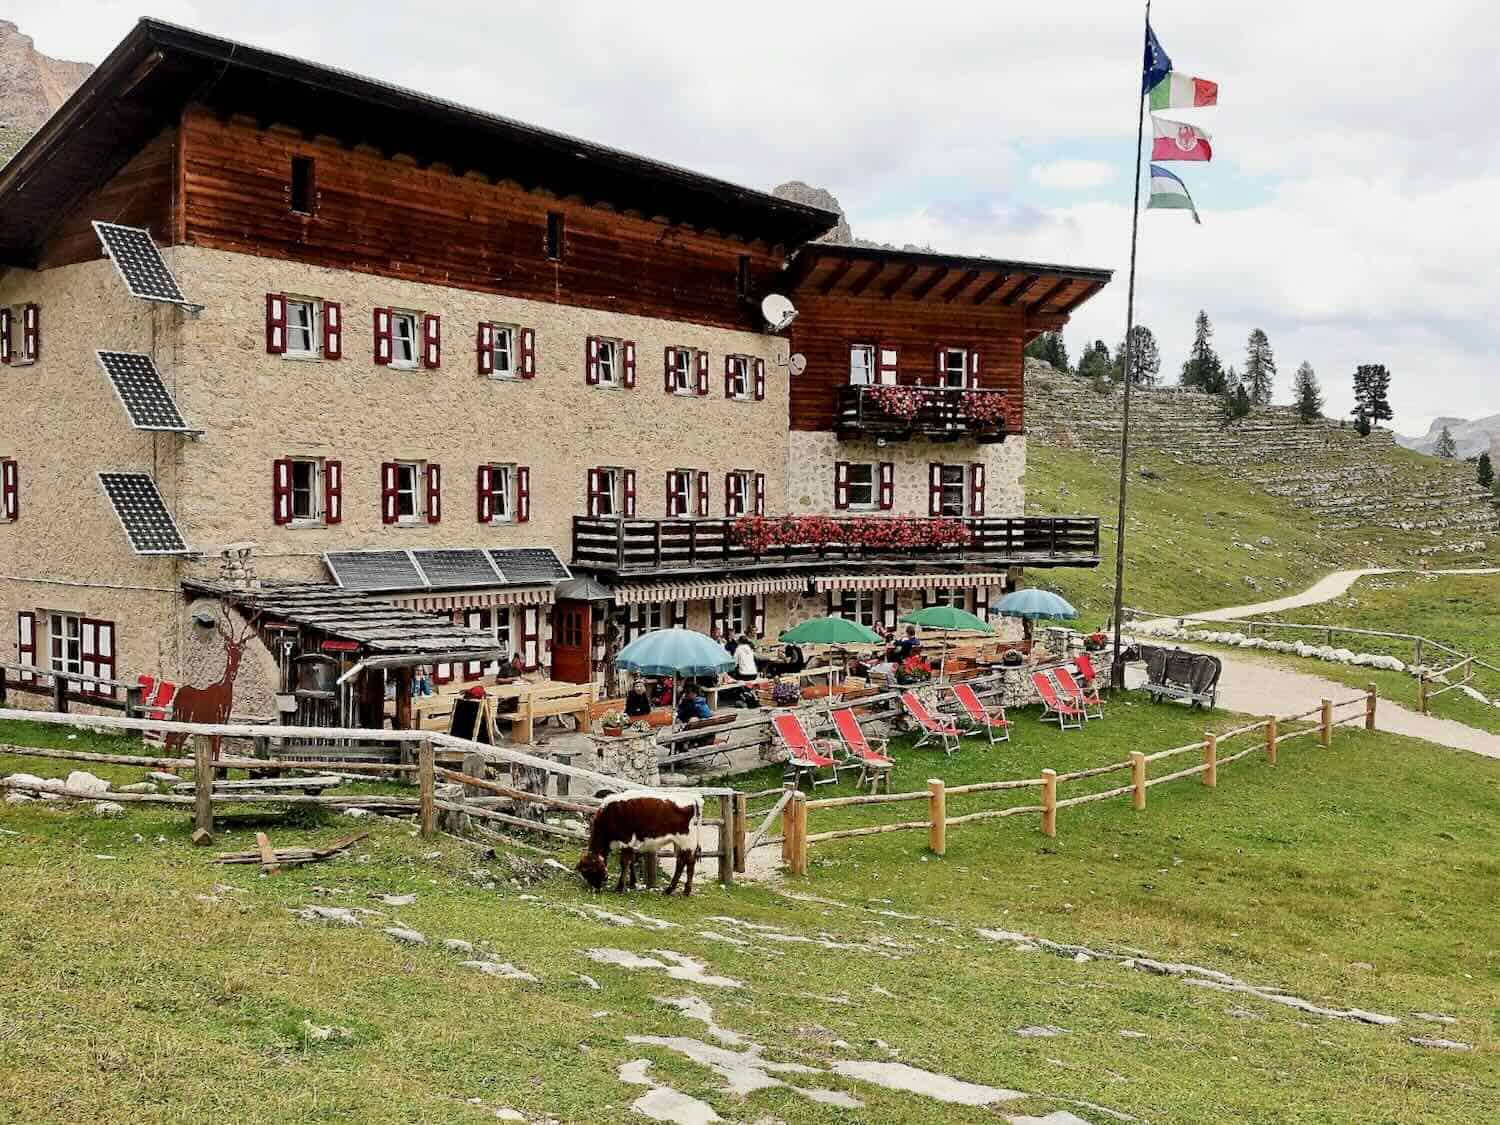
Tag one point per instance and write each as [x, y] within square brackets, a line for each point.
[1158, 65]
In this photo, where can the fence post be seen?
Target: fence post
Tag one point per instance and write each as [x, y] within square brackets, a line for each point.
[428, 818]
[728, 851]
[60, 694]
[1422, 690]
[133, 709]
[937, 816]
[799, 860]
[1325, 724]
[1370, 707]
[1138, 779]
[788, 830]
[1417, 660]
[1211, 760]
[474, 767]
[1271, 740]
[740, 815]
[2, 687]
[1049, 802]
[203, 790]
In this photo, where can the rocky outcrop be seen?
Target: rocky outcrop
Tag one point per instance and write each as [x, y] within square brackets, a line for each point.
[1470, 439]
[798, 192]
[32, 86]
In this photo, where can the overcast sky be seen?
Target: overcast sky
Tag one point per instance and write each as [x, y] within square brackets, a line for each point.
[1350, 210]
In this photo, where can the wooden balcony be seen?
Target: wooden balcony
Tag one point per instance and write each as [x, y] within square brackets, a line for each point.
[938, 413]
[645, 547]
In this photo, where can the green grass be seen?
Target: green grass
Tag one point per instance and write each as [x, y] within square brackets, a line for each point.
[123, 996]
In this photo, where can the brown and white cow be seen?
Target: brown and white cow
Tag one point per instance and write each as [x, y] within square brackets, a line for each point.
[642, 821]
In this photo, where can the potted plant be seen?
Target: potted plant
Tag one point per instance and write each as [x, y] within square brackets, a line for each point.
[613, 723]
[1095, 642]
[784, 694]
[913, 670]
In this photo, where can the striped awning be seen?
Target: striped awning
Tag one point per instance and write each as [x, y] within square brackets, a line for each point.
[936, 581]
[633, 593]
[477, 599]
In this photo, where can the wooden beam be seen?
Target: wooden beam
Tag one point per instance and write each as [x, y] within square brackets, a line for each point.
[987, 290]
[835, 277]
[930, 283]
[796, 273]
[1042, 301]
[901, 279]
[1015, 294]
[862, 282]
[1088, 292]
[968, 279]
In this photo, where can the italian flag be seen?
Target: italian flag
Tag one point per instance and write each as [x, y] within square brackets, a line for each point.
[1177, 90]
[1170, 192]
[1177, 140]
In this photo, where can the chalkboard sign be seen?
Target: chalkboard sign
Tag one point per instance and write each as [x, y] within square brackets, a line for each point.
[472, 720]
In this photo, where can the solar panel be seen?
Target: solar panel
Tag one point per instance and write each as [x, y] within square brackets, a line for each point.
[374, 570]
[147, 523]
[139, 263]
[454, 568]
[142, 392]
[522, 566]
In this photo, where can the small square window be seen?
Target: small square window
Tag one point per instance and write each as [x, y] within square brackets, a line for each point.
[955, 490]
[653, 616]
[409, 491]
[867, 607]
[504, 356]
[554, 241]
[307, 491]
[682, 371]
[609, 363]
[861, 485]
[736, 494]
[303, 327]
[610, 501]
[861, 365]
[739, 377]
[502, 494]
[304, 194]
[405, 348]
[736, 612]
[680, 493]
[65, 632]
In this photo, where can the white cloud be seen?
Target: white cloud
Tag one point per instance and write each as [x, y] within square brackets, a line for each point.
[1073, 174]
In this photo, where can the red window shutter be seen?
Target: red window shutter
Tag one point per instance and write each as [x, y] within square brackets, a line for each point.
[531, 647]
[523, 493]
[703, 493]
[760, 379]
[434, 493]
[388, 476]
[760, 494]
[887, 356]
[703, 373]
[484, 348]
[629, 476]
[668, 356]
[937, 364]
[591, 361]
[333, 330]
[674, 494]
[275, 323]
[333, 492]
[383, 336]
[758, 621]
[475, 619]
[729, 376]
[528, 353]
[841, 485]
[442, 673]
[934, 488]
[976, 489]
[10, 490]
[973, 367]
[887, 485]
[629, 348]
[99, 655]
[31, 333]
[4, 336]
[432, 341]
[830, 609]
[26, 644]
[594, 492]
[281, 491]
[729, 495]
[482, 489]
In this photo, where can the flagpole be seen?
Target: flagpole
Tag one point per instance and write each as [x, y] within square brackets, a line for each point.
[1117, 668]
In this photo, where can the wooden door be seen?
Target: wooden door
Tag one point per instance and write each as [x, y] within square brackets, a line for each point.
[572, 659]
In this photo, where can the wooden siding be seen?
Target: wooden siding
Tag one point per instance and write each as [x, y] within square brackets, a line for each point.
[138, 195]
[827, 326]
[389, 217]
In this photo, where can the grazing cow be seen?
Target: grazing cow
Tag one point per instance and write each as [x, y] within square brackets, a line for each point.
[640, 821]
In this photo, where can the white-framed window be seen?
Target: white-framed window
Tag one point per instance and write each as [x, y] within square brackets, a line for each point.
[611, 500]
[737, 486]
[609, 363]
[304, 328]
[502, 493]
[955, 494]
[65, 642]
[681, 371]
[736, 612]
[654, 616]
[864, 487]
[410, 480]
[738, 375]
[307, 491]
[506, 365]
[861, 365]
[406, 340]
[958, 599]
[867, 607]
[955, 367]
[680, 499]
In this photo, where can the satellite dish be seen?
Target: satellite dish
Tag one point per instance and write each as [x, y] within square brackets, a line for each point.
[798, 363]
[778, 311]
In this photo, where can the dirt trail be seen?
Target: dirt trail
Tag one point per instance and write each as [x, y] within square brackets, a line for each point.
[1325, 589]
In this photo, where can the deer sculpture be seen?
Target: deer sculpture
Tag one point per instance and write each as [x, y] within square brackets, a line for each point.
[212, 703]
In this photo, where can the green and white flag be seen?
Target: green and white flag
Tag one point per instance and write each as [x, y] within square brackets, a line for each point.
[1170, 192]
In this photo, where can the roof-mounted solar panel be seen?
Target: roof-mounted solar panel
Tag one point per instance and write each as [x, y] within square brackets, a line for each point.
[526, 565]
[140, 264]
[142, 392]
[374, 570]
[142, 513]
[457, 568]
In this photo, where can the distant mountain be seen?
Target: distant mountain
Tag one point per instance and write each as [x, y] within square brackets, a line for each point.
[32, 86]
[1471, 438]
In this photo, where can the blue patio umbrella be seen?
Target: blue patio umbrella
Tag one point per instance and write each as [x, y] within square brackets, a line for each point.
[675, 653]
[1032, 604]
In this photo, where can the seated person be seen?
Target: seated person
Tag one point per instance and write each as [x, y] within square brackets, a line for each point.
[637, 701]
[663, 696]
[692, 706]
[744, 659]
[795, 660]
[907, 644]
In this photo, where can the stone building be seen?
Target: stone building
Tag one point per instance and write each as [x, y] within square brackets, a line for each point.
[445, 363]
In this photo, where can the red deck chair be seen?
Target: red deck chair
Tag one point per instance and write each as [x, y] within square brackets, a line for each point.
[1088, 675]
[158, 706]
[1052, 706]
[993, 723]
[1087, 699]
[931, 727]
[870, 754]
[809, 755]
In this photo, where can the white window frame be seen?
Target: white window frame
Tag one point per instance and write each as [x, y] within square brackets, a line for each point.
[737, 611]
[683, 375]
[873, 502]
[59, 637]
[502, 628]
[418, 471]
[740, 389]
[867, 607]
[862, 355]
[414, 319]
[502, 493]
[315, 489]
[745, 485]
[654, 616]
[954, 596]
[955, 367]
[504, 339]
[609, 359]
[689, 479]
[961, 483]
[611, 492]
[313, 330]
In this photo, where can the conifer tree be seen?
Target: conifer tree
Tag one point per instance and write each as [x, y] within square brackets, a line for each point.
[1260, 368]
[1145, 358]
[1203, 368]
[1306, 394]
[1446, 447]
[1484, 472]
[1371, 406]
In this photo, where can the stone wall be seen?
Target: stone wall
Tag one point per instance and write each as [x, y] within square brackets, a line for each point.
[632, 756]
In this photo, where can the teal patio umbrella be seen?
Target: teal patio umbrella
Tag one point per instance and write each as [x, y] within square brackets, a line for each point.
[676, 653]
[947, 619]
[1031, 604]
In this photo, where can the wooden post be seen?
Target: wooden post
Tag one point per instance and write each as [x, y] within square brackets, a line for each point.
[1211, 760]
[937, 816]
[653, 869]
[727, 841]
[1138, 779]
[1370, 707]
[799, 859]
[1271, 740]
[60, 694]
[1417, 660]
[428, 812]
[404, 679]
[788, 831]
[133, 709]
[203, 791]
[1325, 724]
[1422, 691]
[741, 813]
[1049, 802]
[2, 687]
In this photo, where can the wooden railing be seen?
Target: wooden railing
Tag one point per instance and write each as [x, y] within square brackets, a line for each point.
[944, 412]
[644, 546]
[64, 688]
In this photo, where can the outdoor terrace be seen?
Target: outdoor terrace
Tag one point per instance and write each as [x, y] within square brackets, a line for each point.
[937, 413]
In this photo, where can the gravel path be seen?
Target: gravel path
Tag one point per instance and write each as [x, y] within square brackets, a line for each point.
[1325, 589]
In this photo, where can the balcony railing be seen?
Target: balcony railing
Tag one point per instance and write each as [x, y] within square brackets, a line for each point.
[981, 414]
[640, 546]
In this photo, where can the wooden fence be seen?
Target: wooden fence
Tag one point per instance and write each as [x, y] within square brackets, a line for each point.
[794, 806]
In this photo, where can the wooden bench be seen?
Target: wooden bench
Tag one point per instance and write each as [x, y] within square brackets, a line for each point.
[542, 702]
[269, 785]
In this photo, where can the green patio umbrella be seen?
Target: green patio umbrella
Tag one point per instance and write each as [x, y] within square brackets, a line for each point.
[830, 631]
[947, 619]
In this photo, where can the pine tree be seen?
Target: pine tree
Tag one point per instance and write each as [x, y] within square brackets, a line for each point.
[1145, 358]
[1484, 472]
[1260, 368]
[1446, 448]
[1371, 384]
[1095, 363]
[1203, 369]
[1361, 422]
[1234, 404]
[1307, 394]
[1049, 348]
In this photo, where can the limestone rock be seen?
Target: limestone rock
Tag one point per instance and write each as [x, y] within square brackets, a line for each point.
[81, 781]
[402, 934]
[108, 808]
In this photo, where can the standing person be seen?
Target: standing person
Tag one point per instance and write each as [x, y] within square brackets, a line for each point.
[908, 644]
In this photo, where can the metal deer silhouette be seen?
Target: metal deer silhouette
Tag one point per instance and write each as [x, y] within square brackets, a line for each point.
[213, 703]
